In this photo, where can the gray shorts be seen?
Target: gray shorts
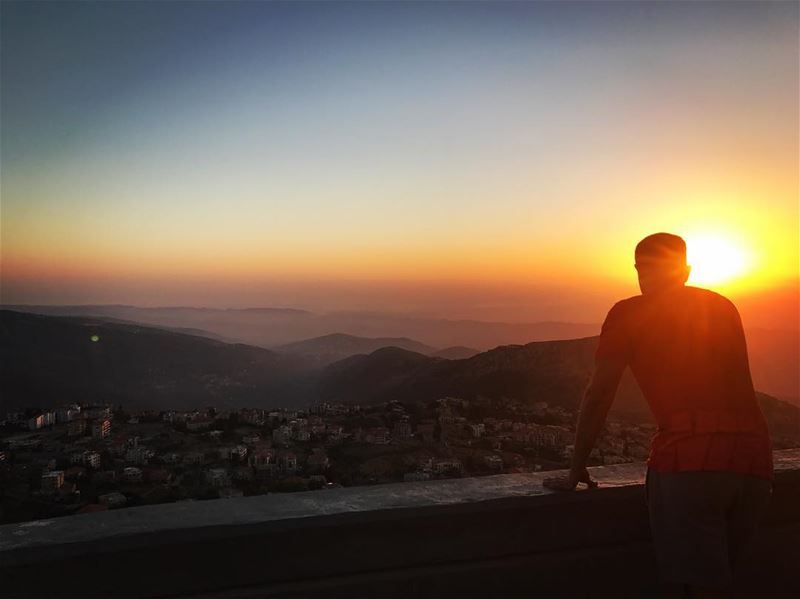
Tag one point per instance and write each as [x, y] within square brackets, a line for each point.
[702, 523]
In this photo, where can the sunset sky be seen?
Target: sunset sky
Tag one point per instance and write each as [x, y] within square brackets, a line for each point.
[495, 161]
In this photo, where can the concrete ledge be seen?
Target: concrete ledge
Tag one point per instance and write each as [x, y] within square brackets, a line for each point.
[501, 534]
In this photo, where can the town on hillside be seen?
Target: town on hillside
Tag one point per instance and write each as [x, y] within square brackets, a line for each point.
[83, 458]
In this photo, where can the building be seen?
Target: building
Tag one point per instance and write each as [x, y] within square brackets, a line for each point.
[447, 466]
[199, 424]
[265, 472]
[132, 474]
[477, 430]
[402, 429]
[254, 417]
[282, 435]
[493, 461]
[120, 444]
[26, 442]
[243, 473]
[238, 453]
[158, 475]
[101, 428]
[99, 412]
[287, 462]
[67, 413]
[75, 473]
[171, 458]
[53, 481]
[76, 428]
[218, 477]
[335, 434]
[91, 459]
[229, 493]
[318, 461]
[426, 431]
[139, 455]
[112, 500]
[105, 477]
[194, 457]
[261, 456]
[550, 437]
[378, 435]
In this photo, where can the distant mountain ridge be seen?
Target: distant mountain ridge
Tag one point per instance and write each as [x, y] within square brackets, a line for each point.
[338, 346]
[456, 352]
[48, 361]
[774, 354]
[273, 327]
[552, 371]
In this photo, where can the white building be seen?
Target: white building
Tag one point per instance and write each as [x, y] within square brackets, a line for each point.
[447, 466]
[91, 459]
[478, 430]
[132, 474]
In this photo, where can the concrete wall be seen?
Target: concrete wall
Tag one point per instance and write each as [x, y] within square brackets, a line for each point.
[497, 536]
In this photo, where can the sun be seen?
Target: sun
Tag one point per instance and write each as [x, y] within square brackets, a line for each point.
[715, 259]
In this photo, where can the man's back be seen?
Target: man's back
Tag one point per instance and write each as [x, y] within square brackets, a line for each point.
[686, 348]
[708, 476]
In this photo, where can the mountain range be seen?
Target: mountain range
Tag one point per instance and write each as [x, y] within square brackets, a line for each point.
[328, 337]
[46, 361]
[273, 328]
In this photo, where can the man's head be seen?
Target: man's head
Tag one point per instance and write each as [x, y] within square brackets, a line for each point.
[661, 262]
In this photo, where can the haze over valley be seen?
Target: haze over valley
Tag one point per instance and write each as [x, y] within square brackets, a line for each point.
[100, 358]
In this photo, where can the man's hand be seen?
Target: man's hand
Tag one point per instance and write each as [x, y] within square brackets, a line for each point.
[569, 482]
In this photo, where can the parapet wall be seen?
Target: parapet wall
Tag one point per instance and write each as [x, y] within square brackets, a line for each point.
[496, 536]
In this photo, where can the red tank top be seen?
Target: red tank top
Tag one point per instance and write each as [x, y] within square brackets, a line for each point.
[686, 349]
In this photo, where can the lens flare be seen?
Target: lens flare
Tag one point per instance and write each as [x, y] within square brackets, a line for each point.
[715, 260]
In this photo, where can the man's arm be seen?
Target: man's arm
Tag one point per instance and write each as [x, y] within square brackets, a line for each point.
[593, 411]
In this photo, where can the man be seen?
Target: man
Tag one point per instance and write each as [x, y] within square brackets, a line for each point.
[710, 465]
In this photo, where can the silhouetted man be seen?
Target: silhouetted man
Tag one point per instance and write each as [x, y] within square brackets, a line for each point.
[710, 465]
